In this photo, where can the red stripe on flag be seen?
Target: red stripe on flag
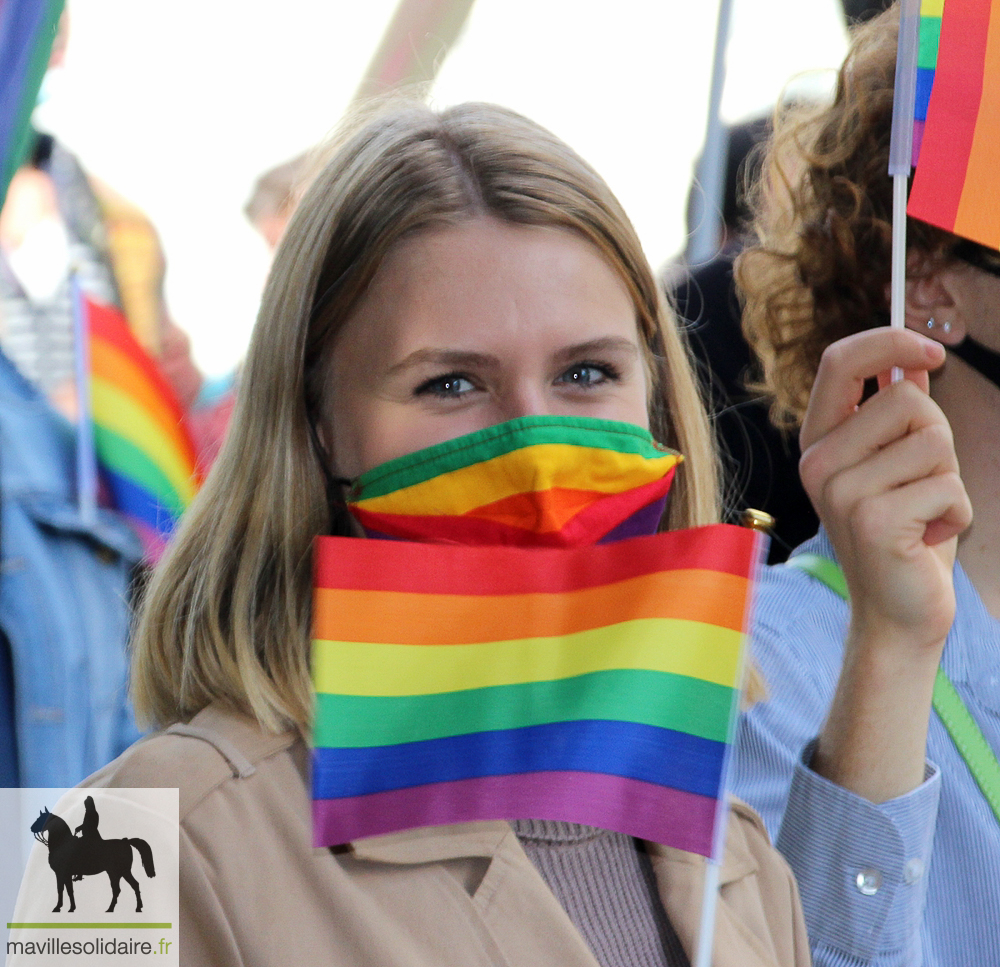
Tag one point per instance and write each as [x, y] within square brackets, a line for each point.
[106, 324]
[360, 564]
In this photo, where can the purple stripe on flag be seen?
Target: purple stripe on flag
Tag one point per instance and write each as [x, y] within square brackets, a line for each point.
[662, 815]
[643, 522]
[918, 139]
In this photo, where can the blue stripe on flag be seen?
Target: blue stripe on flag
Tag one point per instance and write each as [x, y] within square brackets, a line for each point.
[137, 502]
[925, 81]
[627, 749]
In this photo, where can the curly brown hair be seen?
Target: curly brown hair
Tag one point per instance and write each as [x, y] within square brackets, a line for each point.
[818, 266]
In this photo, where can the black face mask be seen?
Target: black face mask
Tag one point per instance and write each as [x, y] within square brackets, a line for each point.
[984, 361]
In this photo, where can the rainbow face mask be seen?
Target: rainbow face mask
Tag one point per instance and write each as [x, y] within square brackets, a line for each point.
[541, 481]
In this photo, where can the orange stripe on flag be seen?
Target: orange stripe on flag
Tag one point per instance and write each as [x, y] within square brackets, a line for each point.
[557, 506]
[402, 618]
[951, 115]
[978, 215]
[110, 363]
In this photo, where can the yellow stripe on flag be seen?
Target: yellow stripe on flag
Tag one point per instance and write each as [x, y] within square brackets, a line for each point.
[120, 413]
[552, 465]
[686, 648]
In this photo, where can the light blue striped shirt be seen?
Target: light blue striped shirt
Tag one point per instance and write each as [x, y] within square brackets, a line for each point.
[873, 892]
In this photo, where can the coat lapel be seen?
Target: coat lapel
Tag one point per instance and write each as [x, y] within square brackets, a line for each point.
[742, 933]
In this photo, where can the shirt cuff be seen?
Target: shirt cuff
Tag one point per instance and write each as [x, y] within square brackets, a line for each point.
[861, 867]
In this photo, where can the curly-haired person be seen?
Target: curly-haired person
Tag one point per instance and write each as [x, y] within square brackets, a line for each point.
[855, 775]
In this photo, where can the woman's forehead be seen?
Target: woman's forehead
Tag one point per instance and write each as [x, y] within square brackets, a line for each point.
[484, 280]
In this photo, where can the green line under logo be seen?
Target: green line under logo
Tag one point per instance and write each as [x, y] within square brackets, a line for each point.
[89, 926]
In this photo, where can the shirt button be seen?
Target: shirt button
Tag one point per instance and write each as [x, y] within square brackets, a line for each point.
[913, 870]
[868, 882]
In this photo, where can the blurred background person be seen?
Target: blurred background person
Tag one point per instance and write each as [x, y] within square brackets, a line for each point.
[69, 573]
[760, 462]
[275, 195]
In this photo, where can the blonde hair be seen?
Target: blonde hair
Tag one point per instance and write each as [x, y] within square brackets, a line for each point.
[227, 614]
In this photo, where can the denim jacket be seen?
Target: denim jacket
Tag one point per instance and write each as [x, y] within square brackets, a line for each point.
[64, 598]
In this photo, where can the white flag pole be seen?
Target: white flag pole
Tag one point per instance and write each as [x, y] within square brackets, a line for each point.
[713, 864]
[86, 457]
[706, 929]
[901, 155]
[707, 195]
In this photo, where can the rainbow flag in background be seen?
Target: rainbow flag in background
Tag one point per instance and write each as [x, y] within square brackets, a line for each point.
[142, 446]
[523, 482]
[955, 185]
[592, 684]
[27, 30]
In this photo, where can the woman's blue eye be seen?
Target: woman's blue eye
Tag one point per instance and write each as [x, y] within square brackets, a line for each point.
[452, 385]
[587, 374]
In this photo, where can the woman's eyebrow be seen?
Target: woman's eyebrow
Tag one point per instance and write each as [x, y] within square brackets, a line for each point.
[606, 344]
[447, 358]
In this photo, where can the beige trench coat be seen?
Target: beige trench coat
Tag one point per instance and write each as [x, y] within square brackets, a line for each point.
[255, 892]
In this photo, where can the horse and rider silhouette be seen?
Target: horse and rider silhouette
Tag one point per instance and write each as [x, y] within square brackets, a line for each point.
[73, 857]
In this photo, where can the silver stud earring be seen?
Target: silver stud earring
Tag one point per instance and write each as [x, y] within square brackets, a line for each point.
[945, 326]
[931, 323]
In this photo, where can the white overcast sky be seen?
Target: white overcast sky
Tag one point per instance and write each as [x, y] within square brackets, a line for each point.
[181, 105]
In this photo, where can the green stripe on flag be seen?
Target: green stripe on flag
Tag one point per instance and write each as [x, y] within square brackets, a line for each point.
[930, 36]
[126, 459]
[654, 698]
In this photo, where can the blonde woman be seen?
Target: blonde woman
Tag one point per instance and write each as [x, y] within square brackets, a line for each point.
[444, 273]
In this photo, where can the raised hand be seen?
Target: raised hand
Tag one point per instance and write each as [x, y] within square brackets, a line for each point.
[884, 479]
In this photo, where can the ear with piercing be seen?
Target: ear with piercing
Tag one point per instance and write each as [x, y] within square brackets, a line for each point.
[933, 324]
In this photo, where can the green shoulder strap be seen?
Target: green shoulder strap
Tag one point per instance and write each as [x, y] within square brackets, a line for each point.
[956, 717]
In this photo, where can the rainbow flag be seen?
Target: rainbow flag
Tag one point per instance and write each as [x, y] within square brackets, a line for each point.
[145, 452]
[958, 82]
[591, 684]
[27, 30]
[541, 481]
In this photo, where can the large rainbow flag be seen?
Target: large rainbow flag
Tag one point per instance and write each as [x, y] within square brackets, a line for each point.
[27, 30]
[142, 445]
[589, 684]
[957, 150]
[541, 481]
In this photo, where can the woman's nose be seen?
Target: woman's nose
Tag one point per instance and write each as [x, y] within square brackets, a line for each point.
[526, 400]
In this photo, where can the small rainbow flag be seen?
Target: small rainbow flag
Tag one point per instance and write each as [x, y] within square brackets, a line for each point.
[141, 442]
[958, 84]
[591, 684]
[537, 480]
[27, 30]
